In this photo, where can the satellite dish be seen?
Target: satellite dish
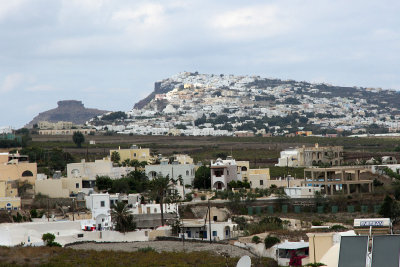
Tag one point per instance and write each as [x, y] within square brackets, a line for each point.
[244, 261]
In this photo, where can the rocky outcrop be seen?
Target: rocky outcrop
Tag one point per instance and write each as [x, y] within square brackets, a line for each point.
[162, 87]
[67, 110]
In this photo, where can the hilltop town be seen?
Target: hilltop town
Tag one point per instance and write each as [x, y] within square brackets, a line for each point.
[196, 104]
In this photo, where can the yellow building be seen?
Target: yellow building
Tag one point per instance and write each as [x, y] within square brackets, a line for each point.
[17, 167]
[9, 199]
[8, 189]
[10, 203]
[66, 131]
[258, 178]
[242, 169]
[183, 159]
[58, 188]
[134, 153]
[319, 245]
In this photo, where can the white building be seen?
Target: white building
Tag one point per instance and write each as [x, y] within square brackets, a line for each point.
[153, 208]
[99, 204]
[302, 192]
[222, 172]
[199, 229]
[284, 251]
[187, 171]
[289, 157]
[100, 167]
[5, 129]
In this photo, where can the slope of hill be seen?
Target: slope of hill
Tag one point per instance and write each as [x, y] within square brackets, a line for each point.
[67, 110]
[207, 104]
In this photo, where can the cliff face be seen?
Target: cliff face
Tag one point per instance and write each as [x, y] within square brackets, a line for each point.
[162, 87]
[67, 110]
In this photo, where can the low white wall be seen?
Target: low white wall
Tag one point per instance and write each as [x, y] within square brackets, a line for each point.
[12, 234]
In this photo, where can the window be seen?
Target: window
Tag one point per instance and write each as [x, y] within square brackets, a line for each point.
[227, 172]
[102, 204]
[27, 173]
[218, 173]
[215, 218]
[214, 233]
[187, 173]
[155, 210]
[309, 190]
[77, 185]
[261, 182]
[134, 154]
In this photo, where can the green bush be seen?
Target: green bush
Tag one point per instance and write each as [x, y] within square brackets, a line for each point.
[338, 227]
[256, 239]
[316, 223]
[269, 241]
[146, 249]
[48, 239]
[203, 197]
[188, 197]
[268, 223]
[34, 213]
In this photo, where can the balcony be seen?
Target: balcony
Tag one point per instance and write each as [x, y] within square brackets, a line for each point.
[215, 179]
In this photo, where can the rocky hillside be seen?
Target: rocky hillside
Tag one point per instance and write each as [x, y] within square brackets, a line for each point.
[209, 104]
[67, 110]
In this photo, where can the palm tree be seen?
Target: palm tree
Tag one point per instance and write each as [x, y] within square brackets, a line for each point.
[159, 187]
[126, 163]
[122, 217]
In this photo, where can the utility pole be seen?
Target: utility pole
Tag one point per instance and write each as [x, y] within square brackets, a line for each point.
[209, 218]
[287, 171]
[48, 214]
[73, 209]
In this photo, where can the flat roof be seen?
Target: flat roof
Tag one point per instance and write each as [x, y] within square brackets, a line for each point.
[343, 168]
[292, 245]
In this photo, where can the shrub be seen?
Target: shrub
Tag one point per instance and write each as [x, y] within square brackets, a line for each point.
[146, 249]
[256, 239]
[268, 223]
[269, 241]
[34, 213]
[316, 223]
[203, 197]
[188, 197]
[48, 239]
[338, 227]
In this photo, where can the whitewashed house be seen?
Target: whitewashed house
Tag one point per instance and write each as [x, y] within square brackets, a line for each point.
[99, 204]
[199, 229]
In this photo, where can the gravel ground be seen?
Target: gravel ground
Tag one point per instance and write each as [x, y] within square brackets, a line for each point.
[233, 251]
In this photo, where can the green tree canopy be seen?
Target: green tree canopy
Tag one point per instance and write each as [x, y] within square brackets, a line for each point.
[78, 138]
[202, 178]
[159, 187]
[115, 157]
[122, 217]
[103, 183]
[390, 208]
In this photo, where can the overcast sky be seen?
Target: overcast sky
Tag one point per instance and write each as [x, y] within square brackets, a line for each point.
[109, 53]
